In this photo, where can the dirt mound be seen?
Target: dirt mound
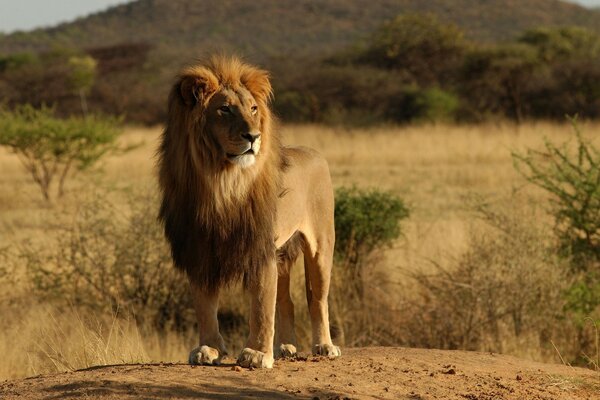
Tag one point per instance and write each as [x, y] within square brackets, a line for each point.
[381, 373]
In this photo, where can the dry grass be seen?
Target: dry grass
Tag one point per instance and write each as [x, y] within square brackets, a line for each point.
[434, 168]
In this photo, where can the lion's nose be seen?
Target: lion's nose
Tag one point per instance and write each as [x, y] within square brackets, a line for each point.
[251, 136]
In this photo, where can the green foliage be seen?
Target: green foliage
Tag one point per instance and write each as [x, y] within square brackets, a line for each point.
[14, 61]
[50, 148]
[583, 297]
[570, 172]
[83, 72]
[419, 44]
[563, 43]
[365, 221]
[496, 79]
[435, 105]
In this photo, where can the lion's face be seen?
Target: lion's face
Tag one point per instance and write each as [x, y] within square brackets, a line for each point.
[233, 122]
[227, 103]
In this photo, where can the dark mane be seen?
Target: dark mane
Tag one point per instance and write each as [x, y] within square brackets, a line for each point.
[219, 221]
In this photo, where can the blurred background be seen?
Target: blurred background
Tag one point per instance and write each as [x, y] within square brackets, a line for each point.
[461, 135]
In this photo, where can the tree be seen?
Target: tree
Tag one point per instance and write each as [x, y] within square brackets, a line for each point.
[498, 78]
[83, 72]
[563, 43]
[50, 148]
[572, 85]
[420, 45]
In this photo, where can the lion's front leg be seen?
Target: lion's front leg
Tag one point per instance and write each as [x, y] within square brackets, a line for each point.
[259, 347]
[211, 348]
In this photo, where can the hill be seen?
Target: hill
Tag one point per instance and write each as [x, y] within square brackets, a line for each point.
[274, 29]
[366, 373]
[138, 47]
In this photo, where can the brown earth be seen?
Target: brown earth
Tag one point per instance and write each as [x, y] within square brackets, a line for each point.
[379, 373]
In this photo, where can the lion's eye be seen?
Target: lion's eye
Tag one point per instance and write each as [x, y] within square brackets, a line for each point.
[254, 109]
[225, 109]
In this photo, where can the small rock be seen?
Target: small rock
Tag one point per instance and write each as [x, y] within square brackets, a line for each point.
[450, 371]
[236, 368]
[519, 378]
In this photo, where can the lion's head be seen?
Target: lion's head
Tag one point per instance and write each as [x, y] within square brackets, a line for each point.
[227, 103]
[219, 170]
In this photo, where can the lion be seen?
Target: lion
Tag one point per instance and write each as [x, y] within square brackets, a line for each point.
[239, 206]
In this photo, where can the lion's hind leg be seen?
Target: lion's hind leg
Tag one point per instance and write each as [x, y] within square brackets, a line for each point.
[317, 266]
[286, 333]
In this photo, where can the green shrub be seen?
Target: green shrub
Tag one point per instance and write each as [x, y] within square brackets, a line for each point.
[365, 221]
[51, 148]
[570, 173]
[435, 105]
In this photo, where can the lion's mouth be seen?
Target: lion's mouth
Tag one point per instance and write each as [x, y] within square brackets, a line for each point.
[247, 152]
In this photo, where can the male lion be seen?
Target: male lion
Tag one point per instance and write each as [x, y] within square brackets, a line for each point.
[236, 204]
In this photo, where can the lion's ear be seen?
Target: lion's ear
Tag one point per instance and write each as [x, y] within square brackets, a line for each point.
[258, 83]
[197, 88]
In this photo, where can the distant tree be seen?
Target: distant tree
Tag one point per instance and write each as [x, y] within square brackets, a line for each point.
[496, 79]
[572, 85]
[50, 148]
[18, 60]
[563, 43]
[83, 71]
[421, 45]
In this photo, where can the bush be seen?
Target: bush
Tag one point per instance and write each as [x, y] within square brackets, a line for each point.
[366, 222]
[114, 261]
[570, 173]
[504, 294]
[50, 148]
[425, 105]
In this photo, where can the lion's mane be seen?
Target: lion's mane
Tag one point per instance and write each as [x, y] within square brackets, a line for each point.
[218, 218]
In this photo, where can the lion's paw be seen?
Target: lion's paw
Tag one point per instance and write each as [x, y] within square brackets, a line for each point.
[205, 355]
[328, 350]
[287, 350]
[255, 359]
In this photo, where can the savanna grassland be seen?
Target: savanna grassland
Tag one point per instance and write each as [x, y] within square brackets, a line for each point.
[443, 173]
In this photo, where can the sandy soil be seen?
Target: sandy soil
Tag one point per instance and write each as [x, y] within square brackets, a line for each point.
[379, 373]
